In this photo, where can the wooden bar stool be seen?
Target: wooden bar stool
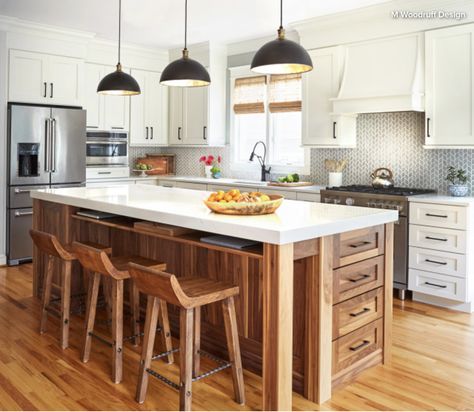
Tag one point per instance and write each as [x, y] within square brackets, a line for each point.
[189, 294]
[52, 248]
[115, 270]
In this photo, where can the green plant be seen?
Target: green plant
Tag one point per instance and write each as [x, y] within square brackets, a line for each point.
[456, 176]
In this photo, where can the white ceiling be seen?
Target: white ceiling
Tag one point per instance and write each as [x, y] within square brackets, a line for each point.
[160, 22]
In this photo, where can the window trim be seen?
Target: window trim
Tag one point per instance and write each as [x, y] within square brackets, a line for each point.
[243, 166]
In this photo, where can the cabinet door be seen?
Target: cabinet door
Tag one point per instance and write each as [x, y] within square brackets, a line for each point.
[450, 86]
[116, 109]
[138, 134]
[27, 77]
[320, 128]
[65, 80]
[93, 102]
[195, 113]
[176, 132]
[156, 108]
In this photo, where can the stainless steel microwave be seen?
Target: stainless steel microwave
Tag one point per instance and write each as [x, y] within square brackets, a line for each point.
[107, 148]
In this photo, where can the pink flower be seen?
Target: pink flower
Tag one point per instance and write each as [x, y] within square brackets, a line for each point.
[208, 162]
[210, 158]
[202, 159]
[219, 158]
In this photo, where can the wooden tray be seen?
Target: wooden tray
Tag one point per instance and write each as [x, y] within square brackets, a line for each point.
[162, 164]
[162, 229]
[284, 184]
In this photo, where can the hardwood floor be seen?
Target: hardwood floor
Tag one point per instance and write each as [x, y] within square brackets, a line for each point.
[432, 368]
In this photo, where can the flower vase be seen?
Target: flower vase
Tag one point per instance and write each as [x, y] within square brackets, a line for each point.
[335, 179]
[207, 170]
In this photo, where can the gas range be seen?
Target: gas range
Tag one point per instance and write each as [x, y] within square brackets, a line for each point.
[395, 198]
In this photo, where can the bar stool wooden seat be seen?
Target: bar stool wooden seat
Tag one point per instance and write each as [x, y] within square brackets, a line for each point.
[115, 270]
[52, 248]
[189, 294]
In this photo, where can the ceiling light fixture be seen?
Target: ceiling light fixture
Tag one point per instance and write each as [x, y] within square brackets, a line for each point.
[185, 72]
[281, 56]
[119, 83]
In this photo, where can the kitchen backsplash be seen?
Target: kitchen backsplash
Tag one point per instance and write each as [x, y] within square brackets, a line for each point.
[393, 140]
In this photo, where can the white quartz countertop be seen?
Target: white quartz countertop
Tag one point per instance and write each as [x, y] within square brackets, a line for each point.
[442, 199]
[294, 221]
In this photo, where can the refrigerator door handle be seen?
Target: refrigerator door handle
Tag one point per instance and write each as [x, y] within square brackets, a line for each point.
[53, 145]
[20, 214]
[47, 158]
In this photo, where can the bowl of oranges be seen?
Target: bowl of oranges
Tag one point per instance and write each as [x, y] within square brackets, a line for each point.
[234, 202]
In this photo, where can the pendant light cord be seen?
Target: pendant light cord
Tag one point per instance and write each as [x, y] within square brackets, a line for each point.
[120, 29]
[281, 14]
[185, 24]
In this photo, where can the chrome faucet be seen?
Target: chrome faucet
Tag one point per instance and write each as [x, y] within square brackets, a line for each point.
[261, 160]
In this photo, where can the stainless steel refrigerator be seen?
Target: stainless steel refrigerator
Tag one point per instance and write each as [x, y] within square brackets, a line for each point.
[46, 148]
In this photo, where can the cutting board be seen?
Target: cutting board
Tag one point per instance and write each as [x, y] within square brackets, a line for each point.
[297, 184]
[162, 229]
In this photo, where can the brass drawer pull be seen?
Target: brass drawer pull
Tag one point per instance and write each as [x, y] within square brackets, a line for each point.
[435, 284]
[358, 347]
[365, 310]
[437, 262]
[362, 277]
[359, 244]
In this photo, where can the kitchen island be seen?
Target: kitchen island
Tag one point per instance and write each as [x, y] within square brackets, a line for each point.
[315, 302]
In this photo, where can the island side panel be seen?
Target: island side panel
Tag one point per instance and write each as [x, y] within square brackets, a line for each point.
[277, 349]
[388, 304]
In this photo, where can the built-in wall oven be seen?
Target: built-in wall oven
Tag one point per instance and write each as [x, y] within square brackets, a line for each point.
[105, 148]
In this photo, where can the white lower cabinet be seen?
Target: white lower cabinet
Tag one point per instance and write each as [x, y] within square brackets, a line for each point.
[440, 259]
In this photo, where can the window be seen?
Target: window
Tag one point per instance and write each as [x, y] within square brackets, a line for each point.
[267, 108]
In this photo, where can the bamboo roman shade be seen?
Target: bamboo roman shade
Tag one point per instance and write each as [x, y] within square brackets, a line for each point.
[249, 95]
[285, 93]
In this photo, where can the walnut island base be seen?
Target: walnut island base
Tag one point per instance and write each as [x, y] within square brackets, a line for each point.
[334, 292]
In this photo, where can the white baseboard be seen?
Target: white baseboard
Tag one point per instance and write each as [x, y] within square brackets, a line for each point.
[444, 303]
[3, 260]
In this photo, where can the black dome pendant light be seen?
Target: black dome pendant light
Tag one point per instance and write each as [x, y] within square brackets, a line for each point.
[119, 83]
[281, 56]
[185, 72]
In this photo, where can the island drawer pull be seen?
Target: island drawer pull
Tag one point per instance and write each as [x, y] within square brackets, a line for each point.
[359, 244]
[436, 262]
[358, 347]
[104, 173]
[435, 215]
[436, 238]
[365, 310]
[435, 284]
[362, 277]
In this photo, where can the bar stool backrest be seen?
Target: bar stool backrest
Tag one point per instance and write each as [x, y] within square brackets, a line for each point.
[96, 260]
[161, 285]
[49, 244]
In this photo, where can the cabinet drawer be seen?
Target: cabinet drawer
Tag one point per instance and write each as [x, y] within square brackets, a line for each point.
[437, 261]
[448, 287]
[357, 312]
[351, 247]
[308, 197]
[437, 238]
[356, 346]
[352, 280]
[451, 217]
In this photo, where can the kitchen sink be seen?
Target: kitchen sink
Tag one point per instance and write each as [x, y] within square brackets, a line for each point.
[250, 182]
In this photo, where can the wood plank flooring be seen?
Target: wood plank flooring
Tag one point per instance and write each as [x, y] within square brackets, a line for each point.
[432, 368]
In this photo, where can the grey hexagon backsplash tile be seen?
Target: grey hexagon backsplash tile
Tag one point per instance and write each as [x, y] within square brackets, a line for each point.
[393, 140]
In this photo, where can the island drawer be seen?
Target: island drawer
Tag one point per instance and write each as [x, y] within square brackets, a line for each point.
[360, 277]
[354, 347]
[448, 216]
[357, 312]
[435, 284]
[437, 261]
[357, 245]
[448, 240]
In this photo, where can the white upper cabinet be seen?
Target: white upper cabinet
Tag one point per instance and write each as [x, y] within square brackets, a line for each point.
[450, 87]
[148, 114]
[320, 127]
[196, 115]
[45, 79]
[104, 112]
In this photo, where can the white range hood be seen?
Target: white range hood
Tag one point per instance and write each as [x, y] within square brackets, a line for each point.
[385, 75]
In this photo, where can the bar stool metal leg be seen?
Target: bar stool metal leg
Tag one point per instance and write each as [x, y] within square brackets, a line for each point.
[233, 346]
[186, 358]
[151, 321]
[94, 282]
[65, 303]
[117, 329]
[165, 330]
[47, 285]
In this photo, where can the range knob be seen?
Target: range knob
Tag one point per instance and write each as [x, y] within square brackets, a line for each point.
[349, 201]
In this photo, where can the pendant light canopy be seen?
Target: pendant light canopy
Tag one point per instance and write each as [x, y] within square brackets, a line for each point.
[185, 72]
[119, 83]
[281, 56]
